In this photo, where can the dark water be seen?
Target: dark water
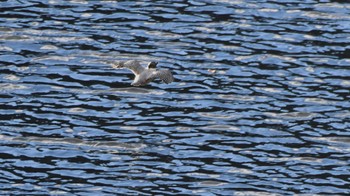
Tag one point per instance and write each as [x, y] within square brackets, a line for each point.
[260, 104]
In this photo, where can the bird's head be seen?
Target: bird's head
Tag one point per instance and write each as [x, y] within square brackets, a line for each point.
[152, 65]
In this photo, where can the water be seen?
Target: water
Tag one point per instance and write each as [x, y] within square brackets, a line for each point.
[260, 104]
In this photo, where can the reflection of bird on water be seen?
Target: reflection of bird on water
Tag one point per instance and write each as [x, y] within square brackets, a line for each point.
[145, 75]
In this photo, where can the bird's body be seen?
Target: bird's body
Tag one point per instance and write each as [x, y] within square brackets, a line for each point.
[145, 75]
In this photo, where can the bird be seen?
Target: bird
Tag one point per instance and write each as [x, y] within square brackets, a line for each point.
[145, 75]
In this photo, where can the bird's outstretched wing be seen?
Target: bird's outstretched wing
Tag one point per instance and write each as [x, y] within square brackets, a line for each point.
[133, 65]
[164, 74]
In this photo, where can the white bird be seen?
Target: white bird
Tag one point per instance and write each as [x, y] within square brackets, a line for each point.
[145, 75]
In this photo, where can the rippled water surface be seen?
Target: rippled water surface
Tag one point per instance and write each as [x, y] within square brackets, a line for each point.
[260, 104]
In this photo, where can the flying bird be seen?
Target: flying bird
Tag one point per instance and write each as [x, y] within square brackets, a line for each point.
[145, 75]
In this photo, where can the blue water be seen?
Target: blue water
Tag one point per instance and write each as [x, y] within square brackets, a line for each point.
[260, 103]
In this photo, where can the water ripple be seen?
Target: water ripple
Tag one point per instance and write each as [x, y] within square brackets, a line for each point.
[259, 104]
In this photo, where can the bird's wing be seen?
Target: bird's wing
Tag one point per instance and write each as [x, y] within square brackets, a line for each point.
[163, 74]
[133, 65]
